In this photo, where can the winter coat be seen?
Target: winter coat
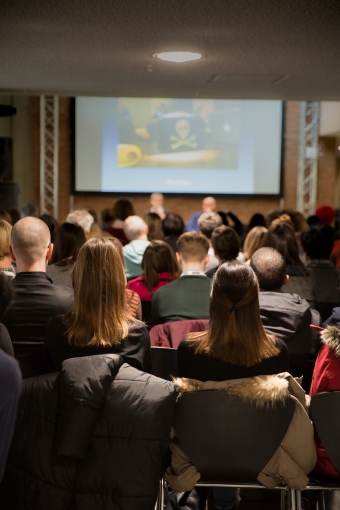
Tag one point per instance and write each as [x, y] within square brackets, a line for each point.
[326, 377]
[94, 436]
[296, 455]
[288, 317]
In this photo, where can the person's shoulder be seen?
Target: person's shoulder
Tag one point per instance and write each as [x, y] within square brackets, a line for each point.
[9, 370]
[168, 288]
[138, 329]
[56, 323]
[281, 345]
[63, 292]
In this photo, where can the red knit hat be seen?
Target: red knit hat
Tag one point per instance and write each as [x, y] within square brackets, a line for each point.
[326, 214]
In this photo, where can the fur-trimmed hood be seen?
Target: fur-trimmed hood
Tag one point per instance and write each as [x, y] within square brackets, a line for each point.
[331, 338]
[264, 390]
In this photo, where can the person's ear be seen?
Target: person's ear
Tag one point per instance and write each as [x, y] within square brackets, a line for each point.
[49, 252]
[207, 258]
[146, 229]
[178, 257]
[11, 254]
[286, 280]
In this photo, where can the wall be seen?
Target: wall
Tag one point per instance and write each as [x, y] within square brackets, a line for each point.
[185, 206]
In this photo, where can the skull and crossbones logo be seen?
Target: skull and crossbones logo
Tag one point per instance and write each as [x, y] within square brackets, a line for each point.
[183, 129]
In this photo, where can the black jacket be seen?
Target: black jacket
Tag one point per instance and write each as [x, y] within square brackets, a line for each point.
[35, 301]
[288, 317]
[93, 437]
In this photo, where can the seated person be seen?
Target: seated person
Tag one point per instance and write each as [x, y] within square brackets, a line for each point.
[159, 266]
[187, 297]
[136, 231]
[326, 377]
[36, 299]
[154, 223]
[6, 296]
[82, 218]
[318, 243]
[69, 239]
[121, 209]
[173, 227]
[282, 238]
[235, 345]
[285, 315]
[226, 245]
[207, 223]
[100, 321]
[208, 205]
[253, 241]
[5, 241]
[10, 387]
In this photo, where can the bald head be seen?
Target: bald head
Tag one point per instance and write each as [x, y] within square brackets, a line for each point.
[270, 268]
[30, 240]
[135, 228]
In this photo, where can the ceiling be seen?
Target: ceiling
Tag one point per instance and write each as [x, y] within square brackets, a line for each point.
[266, 49]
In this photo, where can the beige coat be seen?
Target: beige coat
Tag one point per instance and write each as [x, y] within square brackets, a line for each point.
[296, 455]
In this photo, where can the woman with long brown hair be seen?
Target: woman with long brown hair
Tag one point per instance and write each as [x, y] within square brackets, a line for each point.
[235, 345]
[159, 268]
[100, 321]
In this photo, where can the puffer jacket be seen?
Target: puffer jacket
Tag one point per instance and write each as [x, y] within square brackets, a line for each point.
[296, 455]
[94, 436]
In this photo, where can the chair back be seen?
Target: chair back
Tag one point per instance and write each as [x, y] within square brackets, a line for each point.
[228, 439]
[164, 362]
[32, 358]
[325, 309]
[146, 312]
[171, 333]
[302, 366]
[325, 410]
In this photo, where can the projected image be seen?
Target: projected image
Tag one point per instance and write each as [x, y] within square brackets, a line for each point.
[177, 133]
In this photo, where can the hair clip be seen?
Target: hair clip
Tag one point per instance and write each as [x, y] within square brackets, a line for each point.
[233, 309]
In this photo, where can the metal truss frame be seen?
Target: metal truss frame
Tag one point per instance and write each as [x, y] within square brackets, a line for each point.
[308, 157]
[49, 150]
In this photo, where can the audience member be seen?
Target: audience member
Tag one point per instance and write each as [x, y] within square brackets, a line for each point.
[282, 238]
[230, 349]
[154, 224]
[95, 230]
[208, 205]
[257, 220]
[131, 298]
[36, 299]
[157, 205]
[120, 211]
[326, 377]
[52, 224]
[187, 297]
[326, 214]
[4, 215]
[284, 218]
[82, 218]
[226, 244]
[106, 218]
[10, 387]
[159, 267]
[207, 223]
[136, 231]
[100, 321]
[285, 315]
[314, 220]
[5, 241]
[253, 241]
[318, 243]
[173, 227]
[69, 239]
[15, 215]
[6, 297]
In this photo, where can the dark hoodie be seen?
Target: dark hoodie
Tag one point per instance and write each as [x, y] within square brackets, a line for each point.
[288, 317]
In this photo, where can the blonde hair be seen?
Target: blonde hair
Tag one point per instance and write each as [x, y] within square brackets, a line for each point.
[5, 238]
[100, 316]
[254, 241]
[235, 334]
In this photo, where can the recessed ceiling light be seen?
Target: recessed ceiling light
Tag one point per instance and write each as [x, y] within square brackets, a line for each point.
[178, 56]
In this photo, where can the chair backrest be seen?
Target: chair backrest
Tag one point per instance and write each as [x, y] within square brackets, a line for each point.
[32, 358]
[325, 410]
[300, 366]
[229, 439]
[325, 309]
[146, 312]
[171, 333]
[164, 362]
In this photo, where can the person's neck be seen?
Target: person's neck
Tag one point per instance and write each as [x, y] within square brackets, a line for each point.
[193, 266]
[6, 263]
[25, 267]
[143, 237]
